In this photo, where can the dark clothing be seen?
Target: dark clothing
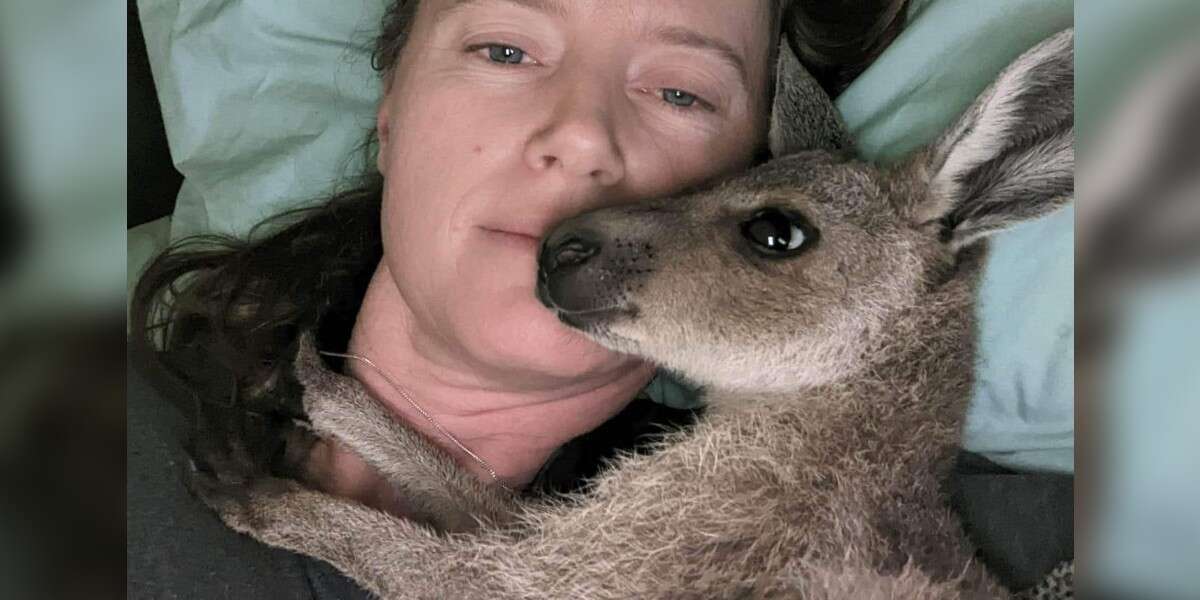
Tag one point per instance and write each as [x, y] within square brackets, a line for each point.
[1023, 523]
[177, 548]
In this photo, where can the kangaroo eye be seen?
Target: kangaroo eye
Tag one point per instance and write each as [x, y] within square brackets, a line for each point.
[776, 233]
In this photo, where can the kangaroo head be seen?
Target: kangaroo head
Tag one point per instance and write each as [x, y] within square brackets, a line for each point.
[783, 277]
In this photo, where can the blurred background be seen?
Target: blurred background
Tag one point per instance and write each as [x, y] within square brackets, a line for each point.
[62, 288]
[71, 95]
[1137, 290]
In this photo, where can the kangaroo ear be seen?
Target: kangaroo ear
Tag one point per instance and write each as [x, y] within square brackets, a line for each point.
[1011, 156]
[802, 116]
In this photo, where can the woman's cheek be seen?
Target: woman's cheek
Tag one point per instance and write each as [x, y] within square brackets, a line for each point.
[699, 146]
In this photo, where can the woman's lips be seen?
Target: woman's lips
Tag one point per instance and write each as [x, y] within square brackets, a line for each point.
[512, 239]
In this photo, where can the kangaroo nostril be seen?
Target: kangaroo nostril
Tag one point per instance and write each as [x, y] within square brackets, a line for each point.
[561, 282]
[574, 251]
[565, 251]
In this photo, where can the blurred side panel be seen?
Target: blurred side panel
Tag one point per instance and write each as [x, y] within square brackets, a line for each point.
[1138, 299]
[62, 165]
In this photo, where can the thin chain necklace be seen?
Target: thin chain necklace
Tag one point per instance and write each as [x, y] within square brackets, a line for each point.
[428, 417]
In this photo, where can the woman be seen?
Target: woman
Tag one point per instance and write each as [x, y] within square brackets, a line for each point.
[499, 118]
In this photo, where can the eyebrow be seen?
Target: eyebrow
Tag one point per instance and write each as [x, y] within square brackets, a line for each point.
[675, 35]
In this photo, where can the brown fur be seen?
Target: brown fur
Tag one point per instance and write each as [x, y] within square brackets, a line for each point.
[837, 381]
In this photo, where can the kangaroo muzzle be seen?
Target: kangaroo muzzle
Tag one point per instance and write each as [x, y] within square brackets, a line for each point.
[587, 276]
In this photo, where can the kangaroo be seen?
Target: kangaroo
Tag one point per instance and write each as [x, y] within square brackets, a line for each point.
[823, 303]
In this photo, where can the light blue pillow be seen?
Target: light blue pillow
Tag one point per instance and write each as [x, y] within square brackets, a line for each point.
[264, 102]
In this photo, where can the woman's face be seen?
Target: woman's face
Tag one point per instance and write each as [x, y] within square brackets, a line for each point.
[507, 116]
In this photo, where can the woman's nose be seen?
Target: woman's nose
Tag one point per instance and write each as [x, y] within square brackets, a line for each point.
[580, 137]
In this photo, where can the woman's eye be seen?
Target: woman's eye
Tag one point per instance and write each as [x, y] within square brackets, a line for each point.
[679, 98]
[508, 55]
[776, 233]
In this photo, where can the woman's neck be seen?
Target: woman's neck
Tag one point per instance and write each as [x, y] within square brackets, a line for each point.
[513, 422]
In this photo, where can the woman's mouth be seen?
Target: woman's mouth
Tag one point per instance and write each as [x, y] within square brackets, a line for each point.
[512, 239]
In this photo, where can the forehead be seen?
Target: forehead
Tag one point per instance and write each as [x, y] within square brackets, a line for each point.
[718, 12]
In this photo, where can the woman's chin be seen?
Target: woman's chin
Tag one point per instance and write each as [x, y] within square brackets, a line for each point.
[533, 339]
